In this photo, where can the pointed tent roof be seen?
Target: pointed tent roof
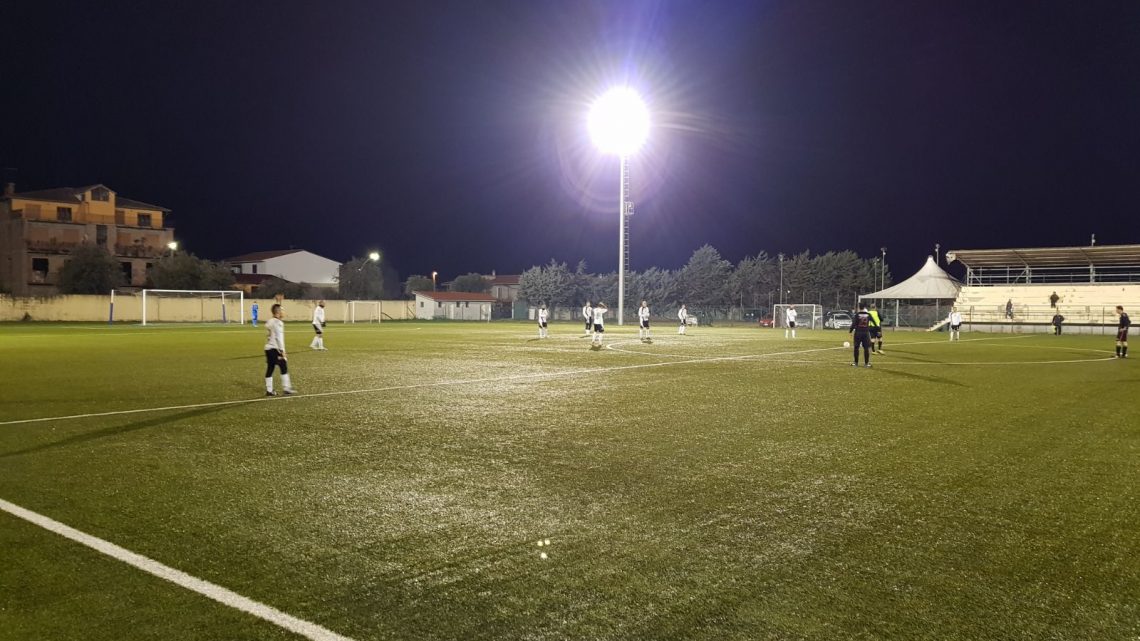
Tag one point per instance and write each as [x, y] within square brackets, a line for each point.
[929, 282]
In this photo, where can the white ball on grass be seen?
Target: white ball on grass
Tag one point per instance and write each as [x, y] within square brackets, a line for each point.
[846, 344]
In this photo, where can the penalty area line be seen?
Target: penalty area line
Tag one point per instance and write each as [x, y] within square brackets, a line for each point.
[150, 566]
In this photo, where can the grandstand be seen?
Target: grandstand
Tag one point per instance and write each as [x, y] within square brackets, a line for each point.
[1089, 281]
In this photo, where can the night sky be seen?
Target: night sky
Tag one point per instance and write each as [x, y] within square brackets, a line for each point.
[452, 135]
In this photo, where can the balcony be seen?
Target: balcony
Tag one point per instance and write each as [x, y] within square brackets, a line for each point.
[51, 246]
[139, 251]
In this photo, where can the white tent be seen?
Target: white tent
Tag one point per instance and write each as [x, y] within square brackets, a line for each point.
[930, 282]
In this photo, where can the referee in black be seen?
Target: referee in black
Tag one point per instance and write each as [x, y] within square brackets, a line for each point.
[861, 328]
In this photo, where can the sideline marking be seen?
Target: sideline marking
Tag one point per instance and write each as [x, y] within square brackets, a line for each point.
[516, 377]
[888, 364]
[178, 577]
[613, 346]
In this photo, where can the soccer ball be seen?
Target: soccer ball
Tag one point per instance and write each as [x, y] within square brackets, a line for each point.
[846, 344]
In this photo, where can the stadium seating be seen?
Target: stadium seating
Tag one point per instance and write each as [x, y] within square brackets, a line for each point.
[1092, 304]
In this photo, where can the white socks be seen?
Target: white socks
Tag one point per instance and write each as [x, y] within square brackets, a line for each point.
[793, 332]
[285, 384]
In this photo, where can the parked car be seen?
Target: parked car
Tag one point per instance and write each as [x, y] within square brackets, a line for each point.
[767, 321]
[837, 320]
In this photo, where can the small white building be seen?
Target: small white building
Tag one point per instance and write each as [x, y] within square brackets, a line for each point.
[293, 265]
[453, 306]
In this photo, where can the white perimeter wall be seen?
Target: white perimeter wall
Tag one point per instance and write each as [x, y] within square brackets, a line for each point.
[128, 308]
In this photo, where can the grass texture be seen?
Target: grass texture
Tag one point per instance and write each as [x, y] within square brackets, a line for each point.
[724, 485]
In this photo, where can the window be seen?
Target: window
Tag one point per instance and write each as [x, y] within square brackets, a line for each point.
[101, 194]
[101, 235]
[63, 214]
[120, 217]
[144, 220]
[127, 271]
[40, 265]
[421, 303]
[253, 269]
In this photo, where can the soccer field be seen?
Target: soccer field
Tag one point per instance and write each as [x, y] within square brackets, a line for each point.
[727, 484]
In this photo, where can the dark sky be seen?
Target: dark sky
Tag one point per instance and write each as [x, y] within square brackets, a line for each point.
[452, 134]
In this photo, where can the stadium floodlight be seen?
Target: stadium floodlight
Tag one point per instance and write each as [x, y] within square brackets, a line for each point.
[433, 275]
[619, 124]
[172, 246]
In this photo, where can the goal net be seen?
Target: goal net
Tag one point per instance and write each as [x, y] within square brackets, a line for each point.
[807, 316]
[192, 306]
[362, 311]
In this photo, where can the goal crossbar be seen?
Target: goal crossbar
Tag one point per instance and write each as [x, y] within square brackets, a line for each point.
[362, 311]
[808, 315]
[202, 295]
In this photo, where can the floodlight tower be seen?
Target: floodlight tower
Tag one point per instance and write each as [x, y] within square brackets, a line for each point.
[619, 124]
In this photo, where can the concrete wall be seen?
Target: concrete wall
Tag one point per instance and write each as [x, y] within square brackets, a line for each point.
[128, 308]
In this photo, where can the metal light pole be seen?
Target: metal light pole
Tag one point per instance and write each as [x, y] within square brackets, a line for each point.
[433, 275]
[781, 256]
[624, 210]
[883, 270]
[937, 247]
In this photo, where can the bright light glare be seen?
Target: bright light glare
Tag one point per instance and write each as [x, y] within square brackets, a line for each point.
[619, 121]
[172, 245]
[374, 256]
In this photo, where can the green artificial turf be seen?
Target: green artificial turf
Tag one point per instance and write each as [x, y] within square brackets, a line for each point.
[727, 484]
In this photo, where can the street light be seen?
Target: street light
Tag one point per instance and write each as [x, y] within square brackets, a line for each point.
[433, 275]
[619, 124]
[372, 257]
[172, 246]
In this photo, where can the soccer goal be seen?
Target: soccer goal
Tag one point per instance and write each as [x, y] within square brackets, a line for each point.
[807, 316]
[192, 306]
[362, 311]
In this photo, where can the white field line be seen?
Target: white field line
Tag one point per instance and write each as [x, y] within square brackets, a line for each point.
[177, 577]
[889, 364]
[473, 381]
[613, 346]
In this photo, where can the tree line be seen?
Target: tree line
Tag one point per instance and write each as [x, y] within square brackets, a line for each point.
[709, 284]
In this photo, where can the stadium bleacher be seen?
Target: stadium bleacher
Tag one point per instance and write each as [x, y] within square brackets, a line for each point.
[1089, 281]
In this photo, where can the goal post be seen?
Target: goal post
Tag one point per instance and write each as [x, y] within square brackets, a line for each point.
[808, 316]
[362, 311]
[193, 306]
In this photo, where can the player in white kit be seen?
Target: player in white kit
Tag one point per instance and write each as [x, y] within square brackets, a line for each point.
[319, 326]
[643, 321]
[790, 317]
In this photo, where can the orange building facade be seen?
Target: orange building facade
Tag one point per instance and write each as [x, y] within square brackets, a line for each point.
[39, 229]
